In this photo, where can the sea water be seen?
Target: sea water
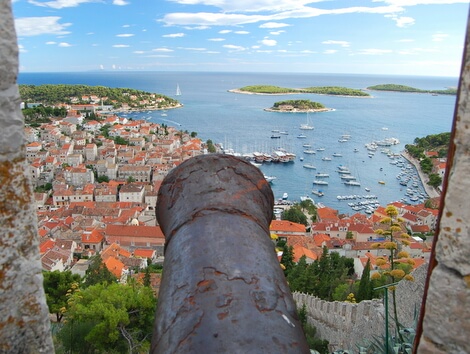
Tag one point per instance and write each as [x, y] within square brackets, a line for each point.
[240, 124]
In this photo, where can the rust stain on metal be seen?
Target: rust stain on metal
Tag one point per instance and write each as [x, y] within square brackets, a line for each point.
[206, 285]
[222, 315]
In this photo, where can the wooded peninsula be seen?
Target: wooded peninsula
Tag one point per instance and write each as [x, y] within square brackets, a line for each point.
[322, 90]
[403, 88]
[117, 98]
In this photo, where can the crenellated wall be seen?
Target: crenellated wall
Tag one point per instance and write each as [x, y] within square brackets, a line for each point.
[346, 325]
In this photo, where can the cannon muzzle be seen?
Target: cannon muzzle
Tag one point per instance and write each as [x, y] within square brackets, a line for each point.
[222, 289]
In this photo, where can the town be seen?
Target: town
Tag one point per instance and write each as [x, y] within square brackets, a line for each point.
[97, 181]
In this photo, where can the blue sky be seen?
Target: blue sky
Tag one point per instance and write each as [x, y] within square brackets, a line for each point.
[397, 37]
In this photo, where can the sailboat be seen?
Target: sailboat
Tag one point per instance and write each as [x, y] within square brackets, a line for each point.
[178, 91]
[306, 126]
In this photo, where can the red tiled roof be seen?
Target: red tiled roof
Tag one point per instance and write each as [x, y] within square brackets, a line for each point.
[144, 253]
[299, 251]
[286, 226]
[46, 246]
[94, 237]
[133, 230]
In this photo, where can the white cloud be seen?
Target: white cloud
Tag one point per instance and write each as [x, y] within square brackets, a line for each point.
[120, 46]
[193, 49]
[405, 40]
[241, 32]
[276, 33]
[196, 27]
[225, 31]
[162, 50]
[274, 12]
[439, 37]
[138, 52]
[35, 26]
[374, 51]
[330, 51]
[234, 47]
[120, 2]
[51, 43]
[22, 49]
[273, 25]
[268, 42]
[173, 35]
[125, 35]
[421, 2]
[158, 56]
[60, 4]
[64, 44]
[343, 44]
[216, 39]
[404, 21]
[250, 5]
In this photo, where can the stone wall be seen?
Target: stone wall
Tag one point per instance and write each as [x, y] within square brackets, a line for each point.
[24, 322]
[446, 324]
[347, 326]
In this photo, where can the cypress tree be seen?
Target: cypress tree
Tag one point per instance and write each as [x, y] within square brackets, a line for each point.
[365, 285]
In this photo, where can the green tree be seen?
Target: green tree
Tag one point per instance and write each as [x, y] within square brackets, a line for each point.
[287, 258]
[101, 179]
[210, 146]
[147, 277]
[57, 286]
[295, 214]
[297, 277]
[122, 317]
[365, 289]
[97, 273]
[310, 333]
[434, 180]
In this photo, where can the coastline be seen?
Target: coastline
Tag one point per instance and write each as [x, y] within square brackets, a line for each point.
[431, 192]
[292, 93]
[149, 108]
[299, 110]
[260, 93]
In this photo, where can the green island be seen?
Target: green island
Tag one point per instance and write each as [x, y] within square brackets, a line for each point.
[322, 90]
[297, 106]
[116, 98]
[404, 88]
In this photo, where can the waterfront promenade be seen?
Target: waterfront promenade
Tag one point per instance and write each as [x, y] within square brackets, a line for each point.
[431, 191]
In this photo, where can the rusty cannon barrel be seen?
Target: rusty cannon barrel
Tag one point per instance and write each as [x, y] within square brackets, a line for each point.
[222, 289]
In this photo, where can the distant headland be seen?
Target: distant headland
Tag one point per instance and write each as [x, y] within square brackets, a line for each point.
[321, 90]
[403, 88]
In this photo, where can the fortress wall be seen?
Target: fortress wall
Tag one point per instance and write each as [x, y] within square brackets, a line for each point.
[346, 325]
[24, 321]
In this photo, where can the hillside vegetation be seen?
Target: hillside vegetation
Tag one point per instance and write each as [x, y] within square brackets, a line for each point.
[404, 88]
[323, 90]
[50, 95]
[297, 105]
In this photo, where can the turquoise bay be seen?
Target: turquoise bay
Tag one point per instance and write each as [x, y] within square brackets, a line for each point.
[240, 123]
